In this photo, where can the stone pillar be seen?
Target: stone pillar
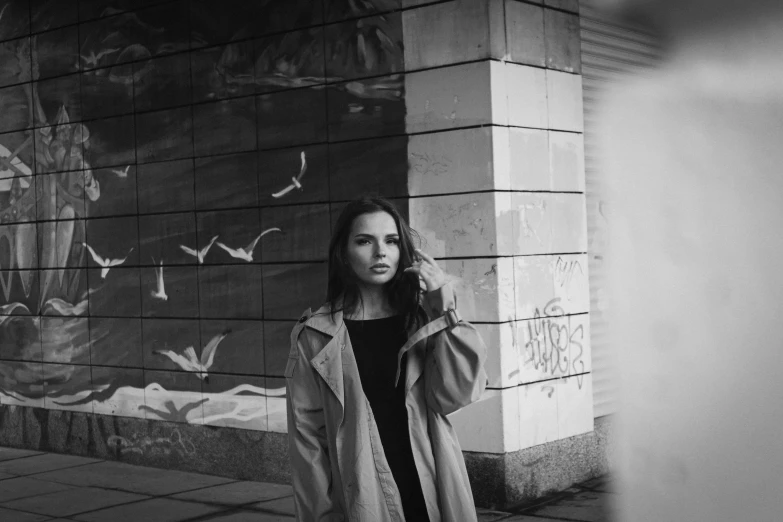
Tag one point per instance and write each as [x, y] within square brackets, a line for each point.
[496, 179]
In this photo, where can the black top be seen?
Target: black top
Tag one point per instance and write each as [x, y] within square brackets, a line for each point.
[375, 345]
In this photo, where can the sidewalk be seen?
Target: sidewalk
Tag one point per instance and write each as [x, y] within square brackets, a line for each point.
[37, 487]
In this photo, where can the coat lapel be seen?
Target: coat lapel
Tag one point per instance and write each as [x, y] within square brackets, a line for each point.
[328, 362]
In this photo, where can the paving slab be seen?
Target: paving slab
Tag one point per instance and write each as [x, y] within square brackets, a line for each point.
[11, 515]
[4, 476]
[42, 463]
[237, 493]
[21, 487]
[16, 453]
[136, 479]
[250, 516]
[281, 506]
[587, 506]
[154, 510]
[72, 501]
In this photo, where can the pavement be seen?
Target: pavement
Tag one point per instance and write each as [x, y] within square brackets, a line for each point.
[36, 486]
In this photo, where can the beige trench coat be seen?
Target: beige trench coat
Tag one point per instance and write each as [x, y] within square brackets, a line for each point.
[339, 470]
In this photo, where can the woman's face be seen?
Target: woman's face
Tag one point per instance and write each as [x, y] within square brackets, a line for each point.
[373, 249]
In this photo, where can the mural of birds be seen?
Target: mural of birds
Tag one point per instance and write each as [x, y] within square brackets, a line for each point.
[295, 181]
[200, 254]
[247, 252]
[160, 291]
[121, 173]
[106, 263]
[189, 362]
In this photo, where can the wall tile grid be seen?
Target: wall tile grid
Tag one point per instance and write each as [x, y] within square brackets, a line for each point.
[494, 113]
[143, 146]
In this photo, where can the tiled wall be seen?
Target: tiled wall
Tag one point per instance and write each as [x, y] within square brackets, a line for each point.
[136, 128]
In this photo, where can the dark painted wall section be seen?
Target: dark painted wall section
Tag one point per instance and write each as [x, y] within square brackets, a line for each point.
[143, 145]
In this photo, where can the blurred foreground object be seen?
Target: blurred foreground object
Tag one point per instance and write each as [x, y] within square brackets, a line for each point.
[694, 154]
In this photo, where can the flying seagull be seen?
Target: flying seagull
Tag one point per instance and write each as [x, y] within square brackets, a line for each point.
[247, 252]
[189, 362]
[92, 60]
[201, 253]
[106, 263]
[160, 292]
[295, 182]
[122, 173]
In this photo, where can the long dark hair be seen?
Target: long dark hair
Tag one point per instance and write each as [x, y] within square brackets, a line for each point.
[404, 291]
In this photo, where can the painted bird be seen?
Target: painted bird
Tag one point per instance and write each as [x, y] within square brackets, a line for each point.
[189, 362]
[160, 291]
[200, 253]
[295, 181]
[247, 252]
[106, 263]
[121, 173]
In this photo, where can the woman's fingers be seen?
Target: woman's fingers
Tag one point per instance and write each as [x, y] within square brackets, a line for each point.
[425, 256]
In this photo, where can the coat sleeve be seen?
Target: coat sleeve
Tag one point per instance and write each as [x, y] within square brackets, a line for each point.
[455, 375]
[307, 443]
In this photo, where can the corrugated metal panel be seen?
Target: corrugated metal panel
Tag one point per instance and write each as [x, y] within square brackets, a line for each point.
[610, 50]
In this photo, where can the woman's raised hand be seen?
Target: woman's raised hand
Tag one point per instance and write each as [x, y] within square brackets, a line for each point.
[428, 271]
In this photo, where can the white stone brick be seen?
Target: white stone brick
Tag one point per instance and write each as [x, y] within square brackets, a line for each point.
[538, 420]
[568, 225]
[532, 222]
[484, 287]
[448, 97]
[566, 161]
[445, 33]
[490, 425]
[564, 101]
[456, 225]
[575, 406]
[452, 161]
[546, 281]
[526, 90]
[502, 360]
[529, 158]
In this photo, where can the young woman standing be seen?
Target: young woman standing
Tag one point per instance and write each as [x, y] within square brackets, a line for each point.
[372, 375]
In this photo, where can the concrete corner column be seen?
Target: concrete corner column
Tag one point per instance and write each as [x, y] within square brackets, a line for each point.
[496, 179]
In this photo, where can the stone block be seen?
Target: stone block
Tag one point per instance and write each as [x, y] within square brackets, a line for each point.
[538, 421]
[461, 160]
[502, 359]
[563, 42]
[446, 33]
[484, 287]
[564, 101]
[459, 225]
[554, 284]
[450, 97]
[566, 161]
[575, 405]
[567, 218]
[490, 424]
[529, 159]
[526, 91]
[525, 33]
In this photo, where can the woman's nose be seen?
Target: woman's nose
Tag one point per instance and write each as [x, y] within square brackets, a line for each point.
[380, 252]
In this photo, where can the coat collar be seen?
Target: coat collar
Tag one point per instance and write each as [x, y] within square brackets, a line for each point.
[328, 362]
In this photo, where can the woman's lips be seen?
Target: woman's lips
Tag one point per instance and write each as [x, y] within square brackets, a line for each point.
[380, 269]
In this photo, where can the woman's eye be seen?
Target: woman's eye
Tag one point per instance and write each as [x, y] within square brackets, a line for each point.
[393, 241]
[362, 241]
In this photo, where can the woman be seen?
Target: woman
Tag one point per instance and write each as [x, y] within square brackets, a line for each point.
[371, 377]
